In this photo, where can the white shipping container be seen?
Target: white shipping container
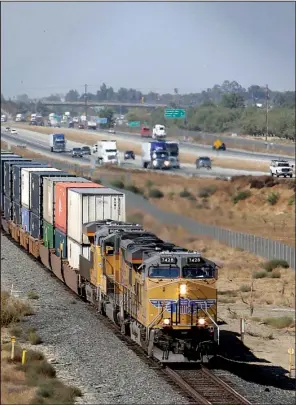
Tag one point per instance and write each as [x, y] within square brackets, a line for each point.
[92, 204]
[74, 249]
[49, 194]
[26, 182]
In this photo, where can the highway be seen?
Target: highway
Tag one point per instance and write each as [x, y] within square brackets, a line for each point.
[38, 142]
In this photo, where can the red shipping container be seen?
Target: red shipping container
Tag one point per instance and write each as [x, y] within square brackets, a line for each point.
[61, 202]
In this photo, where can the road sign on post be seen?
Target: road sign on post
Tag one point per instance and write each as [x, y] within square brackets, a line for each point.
[172, 113]
[134, 124]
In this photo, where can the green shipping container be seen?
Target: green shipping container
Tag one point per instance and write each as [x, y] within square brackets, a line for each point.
[48, 235]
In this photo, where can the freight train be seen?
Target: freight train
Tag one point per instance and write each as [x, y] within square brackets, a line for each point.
[161, 295]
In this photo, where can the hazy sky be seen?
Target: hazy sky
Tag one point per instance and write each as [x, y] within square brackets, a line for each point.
[51, 47]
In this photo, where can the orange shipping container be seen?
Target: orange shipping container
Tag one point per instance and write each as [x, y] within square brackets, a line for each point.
[61, 202]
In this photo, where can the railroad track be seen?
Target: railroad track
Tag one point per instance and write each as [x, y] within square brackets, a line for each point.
[199, 385]
[204, 387]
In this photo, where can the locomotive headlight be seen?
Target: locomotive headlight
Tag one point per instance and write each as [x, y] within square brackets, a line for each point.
[166, 321]
[201, 321]
[183, 289]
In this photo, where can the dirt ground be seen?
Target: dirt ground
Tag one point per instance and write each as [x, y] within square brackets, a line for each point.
[90, 139]
[212, 201]
[235, 299]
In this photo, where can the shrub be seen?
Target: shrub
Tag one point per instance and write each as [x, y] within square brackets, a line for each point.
[273, 264]
[155, 193]
[32, 295]
[13, 310]
[171, 195]
[260, 274]
[245, 288]
[291, 200]
[134, 189]
[186, 194]
[149, 183]
[273, 198]
[256, 183]
[117, 183]
[206, 192]
[279, 322]
[56, 392]
[34, 338]
[15, 331]
[275, 274]
[241, 195]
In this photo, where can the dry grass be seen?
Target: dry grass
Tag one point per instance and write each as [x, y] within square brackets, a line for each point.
[237, 267]
[13, 310]
[219, 203]
[89, 139]
[34, 382]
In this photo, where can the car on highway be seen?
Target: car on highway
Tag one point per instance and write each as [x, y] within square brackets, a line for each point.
[81, 126]
[146, 132]
[203, 162]
[13, 131]
[129, 154]
[111, 131]
[86, 150]
[77, 153]
[71, 124]
[7, 129]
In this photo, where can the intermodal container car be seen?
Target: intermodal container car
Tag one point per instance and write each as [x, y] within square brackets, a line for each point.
[92, 204]
[60, 243]
[36, 226]
[16, 213]
[36, 193]
[26, 183]
[7, 208]
[49, 184]
[48, 235]
[25, 212]
[75, 250]
[61, 203]
[17, 180]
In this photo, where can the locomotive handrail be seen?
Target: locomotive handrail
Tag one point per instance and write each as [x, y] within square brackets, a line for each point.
[212, 319]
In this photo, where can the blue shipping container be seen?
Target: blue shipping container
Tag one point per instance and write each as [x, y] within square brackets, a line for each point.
[26, 219]
[60, 238]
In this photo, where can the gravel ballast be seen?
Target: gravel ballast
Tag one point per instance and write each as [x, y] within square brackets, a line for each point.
[85, 352]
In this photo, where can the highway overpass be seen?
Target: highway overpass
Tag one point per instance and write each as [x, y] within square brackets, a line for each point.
[101, 103]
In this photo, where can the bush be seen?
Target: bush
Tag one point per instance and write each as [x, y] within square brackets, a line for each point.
[134, 189]
[13, 310]
[256, 183]
[260, 274]
[32, 295]
[241, 195]
[149, 183]
[245, 288]
[275, 274]
[155, 193]
[279, 322]
[273, 198]
[186, 194]
[15, 331]
[206, 192]
[117, 183]
[291, 200]
[34, 338]
[273, 264]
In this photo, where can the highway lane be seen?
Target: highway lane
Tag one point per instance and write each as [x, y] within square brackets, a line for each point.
[29, 137]
[198, 149]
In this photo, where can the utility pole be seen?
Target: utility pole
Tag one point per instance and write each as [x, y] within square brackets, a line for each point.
[266, 113]
[85, 98]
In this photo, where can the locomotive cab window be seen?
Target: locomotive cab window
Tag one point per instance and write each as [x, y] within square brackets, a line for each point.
[164, 272]
[195, 271]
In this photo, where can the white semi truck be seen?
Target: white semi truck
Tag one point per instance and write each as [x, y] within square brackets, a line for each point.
[159, 132]
[105, 152]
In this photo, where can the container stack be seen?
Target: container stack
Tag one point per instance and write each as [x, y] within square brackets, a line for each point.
[26, 197]
[5, 157]
[88, 205]
[49, 186]
[62, 219]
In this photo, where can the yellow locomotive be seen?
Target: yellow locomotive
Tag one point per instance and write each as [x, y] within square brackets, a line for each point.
[163, 296]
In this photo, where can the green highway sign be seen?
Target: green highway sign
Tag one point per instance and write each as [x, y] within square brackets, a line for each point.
[174, 113]
[134, 124]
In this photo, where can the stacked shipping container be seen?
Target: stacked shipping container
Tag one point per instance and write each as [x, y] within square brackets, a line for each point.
[52, 205]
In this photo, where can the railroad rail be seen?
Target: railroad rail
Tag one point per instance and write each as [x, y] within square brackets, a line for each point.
[205, 387]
